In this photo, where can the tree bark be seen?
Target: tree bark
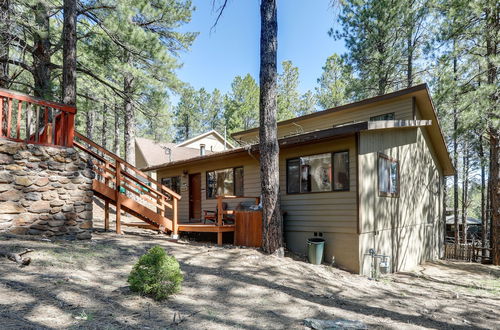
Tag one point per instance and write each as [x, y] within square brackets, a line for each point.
[455, 155]
[492, 31]
[17, 257]
[4, 44]
[89, 122]
[484, 222]
[116, 142]
[465, 188]
[409, 50]
[41, 54]
[104, 127]
[129, 122]
[272, 238]
[495, 193]
[69, 53]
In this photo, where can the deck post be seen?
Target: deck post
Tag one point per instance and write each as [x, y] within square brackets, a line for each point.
[118, 197]
[1, 116]
[220, 215]
[9, 116]
[106, 203]
[175, 224]
[70, 126]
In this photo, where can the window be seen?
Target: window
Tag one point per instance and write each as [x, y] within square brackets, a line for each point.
[388, 176]
[225, 182]
[173, 183]
[314, 173]
[341, 170]
[385, 116]
[238, 181]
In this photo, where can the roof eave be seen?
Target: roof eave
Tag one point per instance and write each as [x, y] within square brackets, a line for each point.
[364, 102]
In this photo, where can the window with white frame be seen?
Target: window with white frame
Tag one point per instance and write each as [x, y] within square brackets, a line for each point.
[388, 176]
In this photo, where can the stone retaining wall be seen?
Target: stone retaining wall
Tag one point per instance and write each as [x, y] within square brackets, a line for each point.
[44, 191]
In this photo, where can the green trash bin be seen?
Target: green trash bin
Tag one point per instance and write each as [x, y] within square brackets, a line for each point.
[315, 247]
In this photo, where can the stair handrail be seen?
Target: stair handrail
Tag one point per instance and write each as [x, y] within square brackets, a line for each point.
[126, 164]
[161, 197]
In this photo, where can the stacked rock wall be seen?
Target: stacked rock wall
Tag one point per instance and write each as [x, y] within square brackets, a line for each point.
[44, 191]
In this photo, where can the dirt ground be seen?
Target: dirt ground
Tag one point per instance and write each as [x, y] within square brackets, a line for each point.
[83, 284]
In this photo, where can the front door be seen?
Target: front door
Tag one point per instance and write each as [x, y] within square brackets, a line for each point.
[195, 196]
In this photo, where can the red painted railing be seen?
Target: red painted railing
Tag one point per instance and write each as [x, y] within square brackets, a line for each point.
[29, 119]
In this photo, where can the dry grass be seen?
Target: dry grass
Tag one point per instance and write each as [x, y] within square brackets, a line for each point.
[83, 285]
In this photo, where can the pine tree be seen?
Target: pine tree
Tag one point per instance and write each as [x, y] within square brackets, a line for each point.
[372, 33]
[272, 223]
[334, 83]
[308, 102]
[241, 105]
[69, 53]
[288, 94]
[187, 115]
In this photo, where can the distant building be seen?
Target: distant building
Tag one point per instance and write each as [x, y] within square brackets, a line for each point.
[149, 153]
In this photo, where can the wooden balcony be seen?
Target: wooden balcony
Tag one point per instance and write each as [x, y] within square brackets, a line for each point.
[28, 119]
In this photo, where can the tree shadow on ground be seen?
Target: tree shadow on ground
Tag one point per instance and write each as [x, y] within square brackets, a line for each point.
[218, 289]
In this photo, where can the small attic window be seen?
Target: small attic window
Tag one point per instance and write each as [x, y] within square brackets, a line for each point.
[385, 116]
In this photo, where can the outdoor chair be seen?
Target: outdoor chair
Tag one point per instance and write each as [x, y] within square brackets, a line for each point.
[209, 215]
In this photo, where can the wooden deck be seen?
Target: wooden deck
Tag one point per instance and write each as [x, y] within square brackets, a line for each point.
[150, 199]
[33, 120]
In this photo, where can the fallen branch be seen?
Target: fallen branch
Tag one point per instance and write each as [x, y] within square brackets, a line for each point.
[178, 318]
[17, 257]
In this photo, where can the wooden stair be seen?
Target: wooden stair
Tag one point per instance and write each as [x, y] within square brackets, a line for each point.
[117, 181]
[152, 220]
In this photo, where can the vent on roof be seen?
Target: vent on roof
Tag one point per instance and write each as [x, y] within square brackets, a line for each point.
[168, 152]
[202, 150]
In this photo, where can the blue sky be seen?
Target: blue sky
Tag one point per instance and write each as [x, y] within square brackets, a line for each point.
[232, 48]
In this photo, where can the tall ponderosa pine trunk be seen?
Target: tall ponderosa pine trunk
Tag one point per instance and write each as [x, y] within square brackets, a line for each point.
[492, 33]
[129, 122]
[495, 193]
[69, 52]
[272, 238]
[116, 141]
[4, 43]
[104, 126]
[455, 155]
[409, 45]
[41, 52]
[484, 222]
[89, 120]
[465, 188]
[409, 64]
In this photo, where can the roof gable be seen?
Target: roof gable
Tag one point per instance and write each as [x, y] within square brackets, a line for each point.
[213, 133]
[157, 153]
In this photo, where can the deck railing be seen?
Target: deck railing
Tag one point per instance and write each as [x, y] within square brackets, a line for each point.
[221, 212]
[25, 118]
[124, 178]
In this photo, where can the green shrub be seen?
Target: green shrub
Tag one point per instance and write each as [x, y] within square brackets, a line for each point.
[156, 274]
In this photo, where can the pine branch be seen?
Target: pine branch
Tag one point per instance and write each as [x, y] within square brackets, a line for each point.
[220, 10]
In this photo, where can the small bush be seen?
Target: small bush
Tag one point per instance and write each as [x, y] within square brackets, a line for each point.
[156, 274]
